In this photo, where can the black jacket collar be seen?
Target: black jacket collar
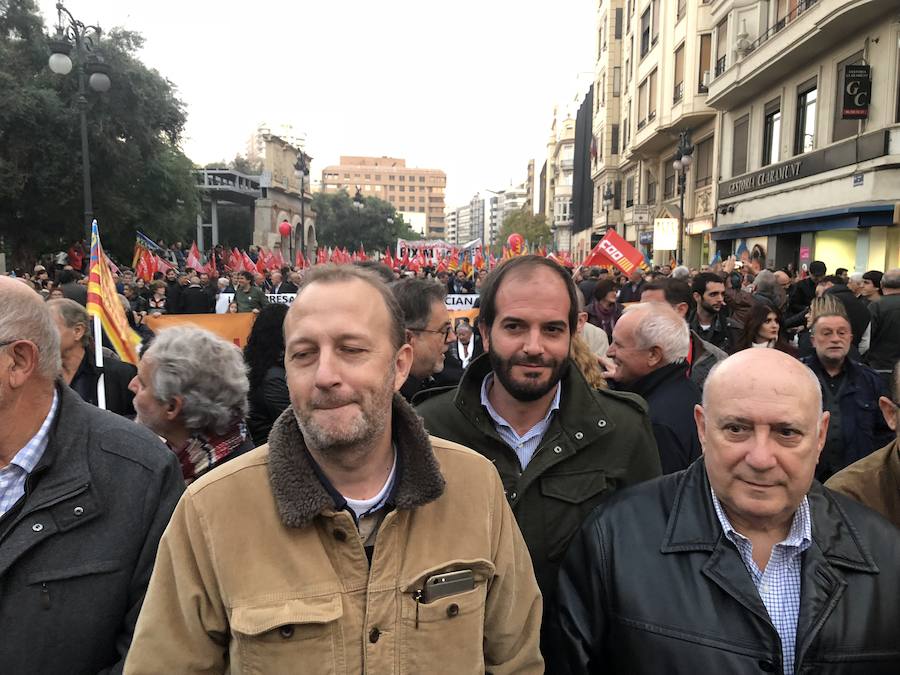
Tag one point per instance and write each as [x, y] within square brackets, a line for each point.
[647, 384]
[694, 526]
[299, 494]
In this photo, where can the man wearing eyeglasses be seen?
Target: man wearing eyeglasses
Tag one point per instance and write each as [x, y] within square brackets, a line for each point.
[429, 330]
[873, 480]
[850, 392]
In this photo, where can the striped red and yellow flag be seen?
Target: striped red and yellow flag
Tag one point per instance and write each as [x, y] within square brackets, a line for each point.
[103, 302]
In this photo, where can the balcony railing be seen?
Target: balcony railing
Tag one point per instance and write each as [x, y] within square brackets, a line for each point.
[678, 94]
[802, 6]
[720, 67]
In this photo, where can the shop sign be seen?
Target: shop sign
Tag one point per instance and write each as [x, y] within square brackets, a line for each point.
[847, 153]
[645, 237]
[665, 234]
[857, 92]
[699, 226]
[858, 179]
[641, 214]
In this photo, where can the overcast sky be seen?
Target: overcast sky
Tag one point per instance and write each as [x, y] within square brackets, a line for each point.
[464, 86]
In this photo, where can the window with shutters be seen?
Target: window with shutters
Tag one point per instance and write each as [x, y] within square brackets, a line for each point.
[669, 180]
[617, 194]
[703, 157]
[654, 6]
[678, 90]
[844, 128]
[618, 25]
[651, 188]
[615, 140]
[739, 148]
[771, 132]
[703, 71]
[617, 81]
[680, 10]
[642, 104]
[629, 192]
[651, 96]
[805, 131]
[645, 32]
[721, 47]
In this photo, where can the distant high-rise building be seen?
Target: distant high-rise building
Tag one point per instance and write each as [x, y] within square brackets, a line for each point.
[467, 222]
[410, 190]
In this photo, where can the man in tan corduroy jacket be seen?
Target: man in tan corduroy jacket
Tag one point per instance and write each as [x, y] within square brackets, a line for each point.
[327, 550]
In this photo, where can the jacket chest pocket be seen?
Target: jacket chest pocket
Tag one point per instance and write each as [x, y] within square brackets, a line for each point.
[274, 638]
[568, 497]
[447, 634]
[72, 587]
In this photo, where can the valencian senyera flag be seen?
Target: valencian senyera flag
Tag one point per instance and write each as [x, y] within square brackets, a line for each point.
[144, 244]
[103, 302]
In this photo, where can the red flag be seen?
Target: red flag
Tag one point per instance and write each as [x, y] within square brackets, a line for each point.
[261, 260]
[299, 260]
[362, 253]
[247, 263]
[162, 265]
[479, 259]
[388, 258]
[614, 250]
[193, 258]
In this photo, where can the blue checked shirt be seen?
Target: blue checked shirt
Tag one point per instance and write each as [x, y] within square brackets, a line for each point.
[779, 584]
[13, 475]
[524, 446]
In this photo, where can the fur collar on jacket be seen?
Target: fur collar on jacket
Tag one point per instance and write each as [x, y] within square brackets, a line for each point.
[300, 496]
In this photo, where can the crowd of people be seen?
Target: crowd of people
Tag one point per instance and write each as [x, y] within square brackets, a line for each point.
[672, 470]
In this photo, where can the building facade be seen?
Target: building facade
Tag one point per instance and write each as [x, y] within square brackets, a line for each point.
[466, 222]
[410, 190]
[798, 181]
[653, 64]
[281, 198]
[559, 180]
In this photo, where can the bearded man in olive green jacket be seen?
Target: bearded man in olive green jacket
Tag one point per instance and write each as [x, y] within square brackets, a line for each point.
[352, 542]
[561, 446]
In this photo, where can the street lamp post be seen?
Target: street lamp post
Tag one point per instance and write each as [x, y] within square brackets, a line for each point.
[682, 164]
[301, 167]
[86, 40]
[359, 202]
[607, 203]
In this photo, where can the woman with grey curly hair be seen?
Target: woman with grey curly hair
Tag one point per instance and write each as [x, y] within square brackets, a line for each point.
[191, 389]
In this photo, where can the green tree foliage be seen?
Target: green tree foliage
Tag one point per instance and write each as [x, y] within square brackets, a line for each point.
[533, 227]
[140, 177]
[340, 223]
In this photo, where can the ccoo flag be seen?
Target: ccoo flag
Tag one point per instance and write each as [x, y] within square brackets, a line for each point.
[103, 302]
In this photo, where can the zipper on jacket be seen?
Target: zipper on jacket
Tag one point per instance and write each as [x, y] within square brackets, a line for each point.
[45, 596]
[417, 596]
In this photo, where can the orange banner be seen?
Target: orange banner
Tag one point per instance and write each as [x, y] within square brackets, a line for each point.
[233, 327]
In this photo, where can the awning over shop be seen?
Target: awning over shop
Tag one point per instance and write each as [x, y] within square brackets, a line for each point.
[844, 218]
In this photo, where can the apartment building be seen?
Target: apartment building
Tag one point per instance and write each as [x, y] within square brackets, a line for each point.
[798, 180]
[559, 176]
[408, 189]
[654, 61]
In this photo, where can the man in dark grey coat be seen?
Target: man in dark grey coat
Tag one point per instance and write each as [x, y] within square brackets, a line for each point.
[84, 497]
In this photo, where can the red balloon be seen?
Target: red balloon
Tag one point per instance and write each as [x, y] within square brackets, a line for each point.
[285, 228]
[515, 241]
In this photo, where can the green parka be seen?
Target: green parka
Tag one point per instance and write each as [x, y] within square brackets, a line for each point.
[598, 442]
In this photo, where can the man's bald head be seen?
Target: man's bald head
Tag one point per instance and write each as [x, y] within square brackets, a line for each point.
[25, 317]
[759, 369]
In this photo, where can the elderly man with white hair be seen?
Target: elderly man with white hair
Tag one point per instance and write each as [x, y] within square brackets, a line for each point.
[743, 563]
[191, 389]
[84, 498]
[649, 356]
